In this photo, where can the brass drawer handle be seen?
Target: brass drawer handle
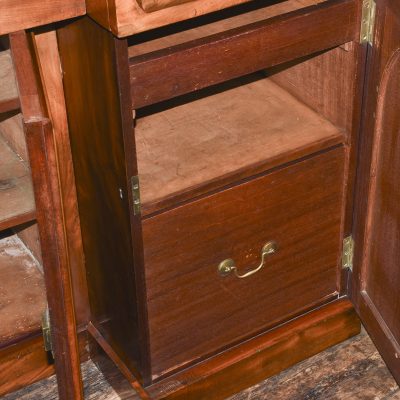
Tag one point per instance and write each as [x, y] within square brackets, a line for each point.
[228, 266]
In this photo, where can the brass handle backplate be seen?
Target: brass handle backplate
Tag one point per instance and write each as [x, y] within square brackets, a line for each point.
[228, 266]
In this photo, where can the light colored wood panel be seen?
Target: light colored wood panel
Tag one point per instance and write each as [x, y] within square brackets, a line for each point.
[239, 128]
[29, 235]
[154, 5]
[8, 88]
[23, 14]
[17, 203]
[22, 291]
[325, 82]
[48, 58]
[147, 46]
[352, 370]
[13, 132]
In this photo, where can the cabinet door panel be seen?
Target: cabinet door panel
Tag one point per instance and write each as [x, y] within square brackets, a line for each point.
[377, 291]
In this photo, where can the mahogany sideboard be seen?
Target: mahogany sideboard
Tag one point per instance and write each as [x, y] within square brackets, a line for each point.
[236, 169]
[236, 180]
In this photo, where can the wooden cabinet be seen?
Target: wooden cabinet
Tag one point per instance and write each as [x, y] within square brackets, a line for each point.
[227, 168]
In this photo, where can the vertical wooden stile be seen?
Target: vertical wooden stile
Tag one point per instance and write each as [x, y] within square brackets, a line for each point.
[45, 173]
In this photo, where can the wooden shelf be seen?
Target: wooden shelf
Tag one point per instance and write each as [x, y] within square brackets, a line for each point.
[22, 292]
[9, 100]
[198, 146]
[24, 14]
[17, 203]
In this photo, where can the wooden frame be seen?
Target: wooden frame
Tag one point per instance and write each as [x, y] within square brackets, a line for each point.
[44, 166]
[246, 364]
[24, 14]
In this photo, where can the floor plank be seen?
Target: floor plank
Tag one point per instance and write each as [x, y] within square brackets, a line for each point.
[349, 371]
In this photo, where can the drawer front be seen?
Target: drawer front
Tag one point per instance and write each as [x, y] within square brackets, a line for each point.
[193, 311]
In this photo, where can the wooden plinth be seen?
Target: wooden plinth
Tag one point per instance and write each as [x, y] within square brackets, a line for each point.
[253, 361]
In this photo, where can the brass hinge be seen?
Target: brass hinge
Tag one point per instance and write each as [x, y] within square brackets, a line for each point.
[348, 252]
[367, 22]
[48, 346]
[135, 194]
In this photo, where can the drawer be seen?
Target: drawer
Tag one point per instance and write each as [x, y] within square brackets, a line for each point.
[193, 311]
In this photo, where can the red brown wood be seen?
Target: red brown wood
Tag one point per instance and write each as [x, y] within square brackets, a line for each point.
[23, 363]
[220, 137]
[193, 311]
[125, 371]
[237, 368]
[44, 167]
[376, 275]
[184, 68]
[49, 65]
[264, 356]
[99, 135]
[24, 14]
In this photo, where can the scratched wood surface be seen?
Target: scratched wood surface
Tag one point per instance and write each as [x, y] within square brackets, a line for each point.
[350, 371]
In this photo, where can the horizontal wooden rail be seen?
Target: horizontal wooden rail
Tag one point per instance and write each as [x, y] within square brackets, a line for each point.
[194, 65]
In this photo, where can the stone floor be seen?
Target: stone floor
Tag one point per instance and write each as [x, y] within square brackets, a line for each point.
[352, 370]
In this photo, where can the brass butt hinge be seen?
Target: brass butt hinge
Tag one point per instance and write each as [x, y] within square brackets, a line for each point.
[48, 346]
[348, 253]
[367, 22]
[135, 194]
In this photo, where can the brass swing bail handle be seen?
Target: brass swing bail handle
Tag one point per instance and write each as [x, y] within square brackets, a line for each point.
[228, 266]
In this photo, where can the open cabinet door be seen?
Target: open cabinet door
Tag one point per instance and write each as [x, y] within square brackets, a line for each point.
[376, 277]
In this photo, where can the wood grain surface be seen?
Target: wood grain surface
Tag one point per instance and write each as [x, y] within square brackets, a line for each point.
[8, 88]
[103, 153]
[193, 312]
[44, 167]
[213, 59]
[49, 66]
[12, 131]
[352, 370]
[17, 204]
[376, 278]
[211, 24]
[22, 292]
[25, 14]
[23, 363]
[220, 136]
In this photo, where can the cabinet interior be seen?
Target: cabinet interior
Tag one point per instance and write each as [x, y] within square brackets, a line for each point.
[22, 289]
[207, 139]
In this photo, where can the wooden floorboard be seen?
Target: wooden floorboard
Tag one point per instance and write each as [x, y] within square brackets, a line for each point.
[352, 370]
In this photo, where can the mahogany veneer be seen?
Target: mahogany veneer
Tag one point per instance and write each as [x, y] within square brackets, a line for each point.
[159, 308]
[24, 14]
[17, 204]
